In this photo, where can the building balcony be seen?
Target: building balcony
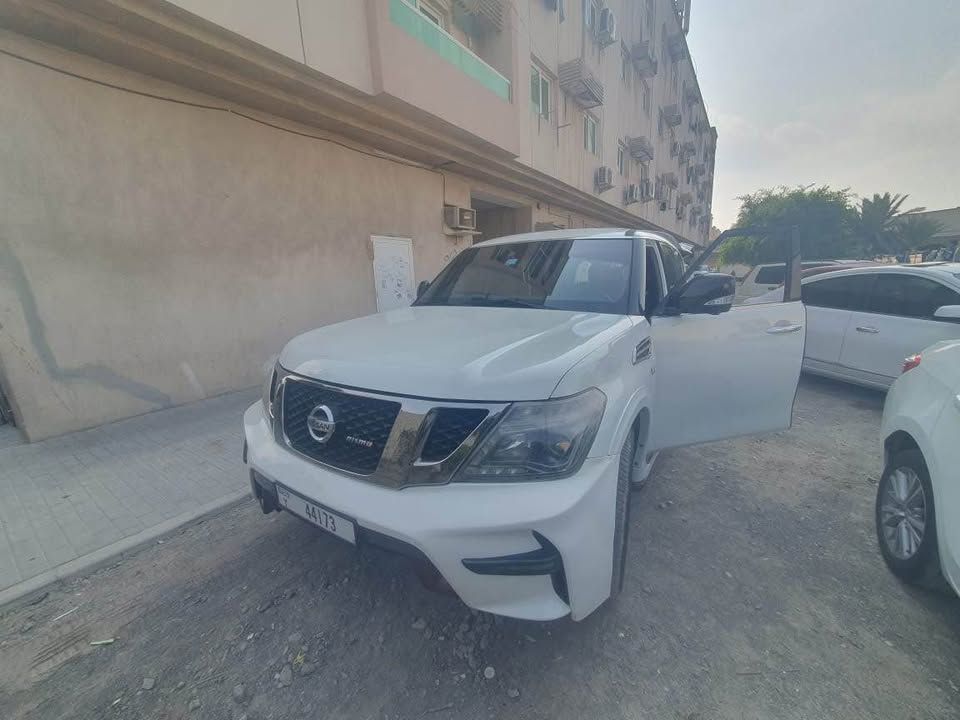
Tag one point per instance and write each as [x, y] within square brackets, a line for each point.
[684, 198]
[582, 85]
[690, 95]
[671, 115]
[677, 47]
[644, 61]
[670, 179]
[441, 43]
[640, 149]
[425, 72]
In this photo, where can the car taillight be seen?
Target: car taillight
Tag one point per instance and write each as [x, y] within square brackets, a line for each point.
[911, 362]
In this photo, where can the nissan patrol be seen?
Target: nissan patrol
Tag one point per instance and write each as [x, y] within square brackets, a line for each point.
[494, 429]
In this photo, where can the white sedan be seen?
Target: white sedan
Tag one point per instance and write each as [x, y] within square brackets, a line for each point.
[862, 322]
[918, 496]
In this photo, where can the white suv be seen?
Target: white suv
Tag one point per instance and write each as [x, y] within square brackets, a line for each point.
[493, 430]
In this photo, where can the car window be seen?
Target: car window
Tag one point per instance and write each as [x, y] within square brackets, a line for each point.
[588, 275]
[770, 275]
[843, 293]
[910, 296]
[672, 264]
[653, 293]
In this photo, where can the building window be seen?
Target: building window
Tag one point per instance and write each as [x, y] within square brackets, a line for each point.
[432, 12]
[644, 172]
[590, 134]
[674, 77]
[539, 92]
[650, 17]
[591, 13]
[623, 164]
[625, 64]
[646, 99]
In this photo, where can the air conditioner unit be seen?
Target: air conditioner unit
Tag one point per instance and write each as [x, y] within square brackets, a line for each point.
[646, 190]
[663, 206]
[679, 212]
[459, 218]
[607, 27]
[603, 178]
[631, 194]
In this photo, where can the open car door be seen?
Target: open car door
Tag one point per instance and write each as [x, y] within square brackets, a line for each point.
[724, 370]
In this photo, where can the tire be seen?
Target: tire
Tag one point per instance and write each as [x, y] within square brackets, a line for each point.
[621, 530]
[915, 561]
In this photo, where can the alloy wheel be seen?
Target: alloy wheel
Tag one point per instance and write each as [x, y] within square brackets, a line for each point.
[903, 513]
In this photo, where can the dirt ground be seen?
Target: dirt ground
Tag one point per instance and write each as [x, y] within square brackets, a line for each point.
[754, 590]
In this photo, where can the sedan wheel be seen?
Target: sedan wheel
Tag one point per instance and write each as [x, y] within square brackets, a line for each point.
[906, 520]
[903, 513]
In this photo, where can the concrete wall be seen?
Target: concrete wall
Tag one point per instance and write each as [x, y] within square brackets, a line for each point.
[153, 253]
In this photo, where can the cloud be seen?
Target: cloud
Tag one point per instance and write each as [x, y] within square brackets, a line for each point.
[899, 139]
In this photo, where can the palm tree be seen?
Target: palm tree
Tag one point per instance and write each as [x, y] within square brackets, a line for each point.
[876, 223]
[917, 232]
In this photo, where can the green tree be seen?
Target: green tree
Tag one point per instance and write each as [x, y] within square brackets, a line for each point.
[877, 224]
[916, 232]
[823, 218]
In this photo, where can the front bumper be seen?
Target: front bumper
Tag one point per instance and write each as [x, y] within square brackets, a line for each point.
[473, 533]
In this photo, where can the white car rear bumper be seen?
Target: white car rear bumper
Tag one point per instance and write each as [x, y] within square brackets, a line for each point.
[491, 523]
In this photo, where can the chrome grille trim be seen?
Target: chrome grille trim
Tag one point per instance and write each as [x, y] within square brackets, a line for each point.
[400, 464]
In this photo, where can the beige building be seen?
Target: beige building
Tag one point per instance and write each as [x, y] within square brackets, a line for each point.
[186, 184]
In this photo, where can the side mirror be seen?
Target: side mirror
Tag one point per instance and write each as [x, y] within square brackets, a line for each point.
[422, 288]
[948, 312]
[706, 293]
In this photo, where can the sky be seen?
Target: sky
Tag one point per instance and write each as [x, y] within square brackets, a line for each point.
[863, 94]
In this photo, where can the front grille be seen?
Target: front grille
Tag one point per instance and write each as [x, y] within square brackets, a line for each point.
[363, 425]
[451, 426]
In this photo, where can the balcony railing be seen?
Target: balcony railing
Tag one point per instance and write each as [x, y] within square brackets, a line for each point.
[640, 149]
[643, 59]
[414, 23]
[577, 81]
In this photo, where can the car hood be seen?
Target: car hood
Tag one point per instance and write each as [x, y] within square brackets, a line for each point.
[456, 353]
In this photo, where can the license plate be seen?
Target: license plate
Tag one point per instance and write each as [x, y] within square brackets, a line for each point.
[319, 516]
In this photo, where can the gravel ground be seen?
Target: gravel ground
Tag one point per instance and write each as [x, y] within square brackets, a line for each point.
[754, 590]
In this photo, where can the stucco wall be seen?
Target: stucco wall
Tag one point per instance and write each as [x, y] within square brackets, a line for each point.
[153, 253]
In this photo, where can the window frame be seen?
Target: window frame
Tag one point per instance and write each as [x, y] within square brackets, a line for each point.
[591, 14]
[541, 108]
[591, 132]
[433, 13]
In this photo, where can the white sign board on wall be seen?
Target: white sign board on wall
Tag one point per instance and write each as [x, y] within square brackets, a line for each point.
[393, 272]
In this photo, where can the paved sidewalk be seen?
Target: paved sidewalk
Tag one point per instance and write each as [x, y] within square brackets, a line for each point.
[76, 500]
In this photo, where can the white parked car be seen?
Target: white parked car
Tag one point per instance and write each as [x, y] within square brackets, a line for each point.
[770, 277]
[493, 430]
[918, 496]
[863, 321]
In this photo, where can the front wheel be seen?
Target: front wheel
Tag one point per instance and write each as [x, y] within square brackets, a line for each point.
[906, 522]
[621, 531]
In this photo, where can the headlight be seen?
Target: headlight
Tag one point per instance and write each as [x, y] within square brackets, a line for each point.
[270, 387]
[538, 440]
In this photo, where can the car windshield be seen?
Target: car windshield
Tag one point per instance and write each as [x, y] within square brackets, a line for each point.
[590, 275]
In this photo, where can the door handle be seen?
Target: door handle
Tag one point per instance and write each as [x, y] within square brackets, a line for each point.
[783, 329]
[867, 329]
